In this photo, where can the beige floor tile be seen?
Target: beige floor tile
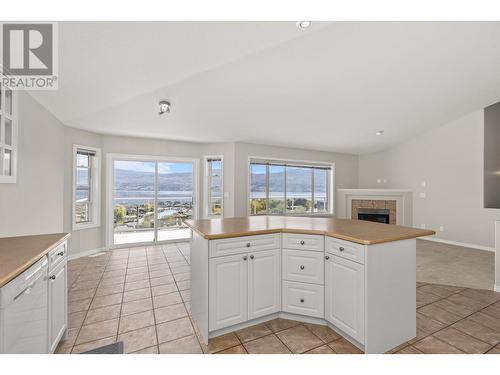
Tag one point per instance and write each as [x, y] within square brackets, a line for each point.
[269, 344]
[150, 350]
[167, 299]
[136, 321]
[493, 311]
[182, 276]
[478, 331]
[107, 290]
[323, 332]
[240, 349]
[437, 313]
[96, 331]
[486, 320]
[174, 329]
[487, 296]
[163, 289]
[495, 350]
[159, 273]
[299, 339]
[112, 281]
[102, 301]
[75, 320]
[137, 277]
[186, 295]
[93, 345]
[185, 345]
[138, 339]
[342, 346]
[103, 313]
[134, 295]
[462, 341]
[138, 270]
[409, 350]
[76, 295]
[84, 285]
[168, 313]
[137, 285]
[161, 280]
[279, 324]
[426, 298]
[439, 290]
[111, 274]
[222, 342]
[137, 306]
[428, 325]
[80, 305]
[432, 345]
[324, 349]
[183, 285]
[253, 332]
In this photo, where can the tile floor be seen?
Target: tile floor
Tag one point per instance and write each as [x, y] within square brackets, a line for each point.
[141, 296]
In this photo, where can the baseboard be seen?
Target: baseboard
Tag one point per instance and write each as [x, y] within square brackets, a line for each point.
[496, 288]
[456, 243]
[86, 253]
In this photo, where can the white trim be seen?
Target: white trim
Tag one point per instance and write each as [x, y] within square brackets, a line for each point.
[96, 190]
[331, 188]
[152, 158]
[456, 243]
[206, 187]
[86, 253]
[14, 146]
[496, 288]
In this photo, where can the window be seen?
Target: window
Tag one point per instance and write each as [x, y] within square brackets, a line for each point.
[86, 187]
[214, 190]
[286, 188]
[8, 136]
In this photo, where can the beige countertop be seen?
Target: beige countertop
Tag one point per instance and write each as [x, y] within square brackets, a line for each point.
[362, 232]
[18, 253]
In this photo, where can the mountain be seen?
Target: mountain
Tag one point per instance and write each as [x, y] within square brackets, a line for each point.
[298, 180]
[144, 181]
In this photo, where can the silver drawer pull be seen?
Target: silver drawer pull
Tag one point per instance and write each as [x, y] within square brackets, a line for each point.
[302, 242]
[245, 257]
[341, 248]
[248, 244]
[53, 277]
[327, 257]
[60, 253]
[302, 267]
[302, 300]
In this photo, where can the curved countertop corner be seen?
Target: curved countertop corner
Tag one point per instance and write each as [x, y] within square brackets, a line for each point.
[17, 254]
[362, 232]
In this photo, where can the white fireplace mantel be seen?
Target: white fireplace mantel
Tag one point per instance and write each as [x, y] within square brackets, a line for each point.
[403, 198]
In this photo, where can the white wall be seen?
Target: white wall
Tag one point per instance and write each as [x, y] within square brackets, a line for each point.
[450, 160]
[346, 167]
[34, 204]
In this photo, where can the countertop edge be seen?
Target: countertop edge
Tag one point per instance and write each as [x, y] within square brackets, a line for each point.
[12, 275]
[306, 231]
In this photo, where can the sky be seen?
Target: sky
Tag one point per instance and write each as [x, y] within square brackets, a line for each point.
[144, 166]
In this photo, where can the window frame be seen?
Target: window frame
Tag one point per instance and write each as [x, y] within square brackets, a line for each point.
[13, 147]
[94, 190]
[207, 185]
[293, 163]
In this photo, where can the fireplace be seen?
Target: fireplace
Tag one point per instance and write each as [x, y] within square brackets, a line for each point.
[378, 215]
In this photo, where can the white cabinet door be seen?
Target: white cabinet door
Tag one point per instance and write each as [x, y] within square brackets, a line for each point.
[228, 291]
[345, 297]
[264, 283]
[58, 316]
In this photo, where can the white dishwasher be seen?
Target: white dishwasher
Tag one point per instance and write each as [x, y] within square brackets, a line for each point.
[24, 311]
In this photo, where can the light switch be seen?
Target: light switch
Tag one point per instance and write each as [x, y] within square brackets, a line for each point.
[422, 226]
[441, 228]
[379, 181]
[422, 194]
[423, 184]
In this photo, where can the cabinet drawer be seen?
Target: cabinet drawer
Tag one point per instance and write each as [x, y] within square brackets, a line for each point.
[229, 246]
[303, 299]
[346, 249]
[57, 255]
[303, 266]
[309, 242]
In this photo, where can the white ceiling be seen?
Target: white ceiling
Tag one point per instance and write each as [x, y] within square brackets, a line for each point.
[329, 87]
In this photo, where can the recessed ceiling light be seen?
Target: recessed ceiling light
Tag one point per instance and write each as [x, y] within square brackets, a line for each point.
[303, 24]
[380, 132]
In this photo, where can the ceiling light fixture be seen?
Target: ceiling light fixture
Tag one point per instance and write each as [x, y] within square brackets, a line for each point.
[164, 107]
[303, 24]
[380, 132]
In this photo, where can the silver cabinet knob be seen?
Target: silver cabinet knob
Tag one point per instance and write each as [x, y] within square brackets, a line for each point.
[60, 253]
[302, 242]
[248, 244]
[302, 300]
[341, 248]
[302, 267]
[251, 256]
[245, 257]
[53, 277]
[327, 257]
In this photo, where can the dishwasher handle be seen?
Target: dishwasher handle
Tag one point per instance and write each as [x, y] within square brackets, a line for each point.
[27, 290]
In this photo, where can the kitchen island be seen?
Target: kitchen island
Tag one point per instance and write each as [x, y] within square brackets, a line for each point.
[357, 277]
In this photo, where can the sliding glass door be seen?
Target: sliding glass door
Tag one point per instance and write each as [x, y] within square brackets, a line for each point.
[151, 199]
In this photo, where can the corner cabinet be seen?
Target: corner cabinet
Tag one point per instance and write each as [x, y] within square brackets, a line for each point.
[345, 297]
